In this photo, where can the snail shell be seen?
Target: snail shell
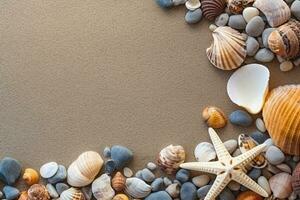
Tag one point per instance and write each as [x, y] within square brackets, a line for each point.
[212, 8]
[228, 50]
[249, 195]
[281, 114]
[38, 192]
[237, 6]
[102, 189]
[31, 176]
[71, 194]
[118, 182]
[120, 197]
[285, 41]
[170, 158]
[296, 179]
[214, 117]
[137, 188]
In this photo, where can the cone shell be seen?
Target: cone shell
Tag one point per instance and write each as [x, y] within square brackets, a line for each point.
[277, 12]
[38, 192]
[214, 117]
[120, 197]
[31, 176]
[237, 6]
[137, 188]
[249, 195]
[102, 189]
[281, 115]
[170, 158]
[23, 196]
[212, 8]
[285, 41]
[71, 194]
[228, 50]
[118, 182]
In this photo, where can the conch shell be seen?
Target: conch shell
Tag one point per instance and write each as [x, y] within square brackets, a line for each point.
[118, 182]
[277, 12]
[84, 169]
[281, 115]
[102, 189]
[214, 117]
[137, 188]
[38, 192]
[237, 6]
[71, 194]
[31, 176]
[212, 8]
[228, 50]
[285, 40]
[170, 158]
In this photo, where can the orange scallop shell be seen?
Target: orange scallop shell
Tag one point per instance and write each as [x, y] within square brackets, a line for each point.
[118, 182]
[214, 117]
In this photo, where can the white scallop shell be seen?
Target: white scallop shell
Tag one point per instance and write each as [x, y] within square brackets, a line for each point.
[192, 4]
[205, 152]
[71, 194]
[102, 189]
[137, 188]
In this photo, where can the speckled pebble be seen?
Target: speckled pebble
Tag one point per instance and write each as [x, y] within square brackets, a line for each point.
[249, 13]
[231, 145]
[48, 169]
[252, 46]
[202, 192]
[157, 184]
[188, 191]
[255, 26]
[161, 195]
[274, 155]
[226, 194]
[165, 3]
[254, 173]
[10, 192]
[212, 27]
[52, 191]
[201, 180]
[259, 137]
[264, 55]
[152, 166]
[106, 152]
[147, 175]
[60, 175]
[264, 183]
[222, 19]
[127, 172]
[240, 118]
[237, 22]
[286, 66]
[265, 36]
[173, 190]
[193, 16]
[167, 181]
[60, 187]
[295, 9]
[183, 175]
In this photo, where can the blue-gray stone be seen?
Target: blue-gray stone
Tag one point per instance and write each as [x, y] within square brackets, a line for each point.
[222, 19]
[52, 191]
[157, 184]
[60, 175]
[237, 22]
[10, 192]
[165, 3]
[295, 9]
[188, 191]
[147, 175]
[252, 46]
[138, 174]
[110, 166]
[161, 195]
[255, 26]
[254, 173]
[274, 155]
[167, 181]
[202, 192]
[183, 175]
[240, 118]
[10, 170]
[121, 155]
[264, 55]
[60, 187]
[226, 194]
[265, 36]
[106, 152]
[193, 16]
[259, 137]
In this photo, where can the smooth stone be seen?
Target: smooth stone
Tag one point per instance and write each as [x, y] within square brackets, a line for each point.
[201, 180]
[296, 158]
[60, 175]
[265, 36]
[205, 152]
[152, 166]
[212, 27]
[268, 142]
[264, 55]
[260, 125]
[274, 155]
[289, 1]
[121, 155]
[161, 195]
[202, 192]
[10, 170]
[138, 174]
[193, 16]
[222, 19]
[226, 194]
[240, 118]
[87, 192]
[48, 169]
[147, 175]
[110, 166]
[252, 46]
[254, 173]
[173, 190]
[286, 66]
[167, 181]
[188, 191]
[237, 22]
[237, 152]
[165, 3]
[10, 192]
[127, 172]
[264, 183]
[260, 42]
[178, 2]
[106, 152]
[183, 175]
[284, 167]
[266, 173]
[157, 184]
[259, 137]
[249, 13]
[60, 187]
[255, 26]
[234, 186]
[231, 145]
[295, 9]
[52, 191]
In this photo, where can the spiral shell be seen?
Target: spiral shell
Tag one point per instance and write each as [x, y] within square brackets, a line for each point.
[214, 117]
[120, 197]
[137, 188]
[170, 158]
[38, 192]
[237, 6]
[31, 176]
[228, 50]
[84, 169]
[285, 41]
[249, 195]
[118, 182]
[71, 194]
[281, 114]
[212, 8]
[102, 189]
[296, 179]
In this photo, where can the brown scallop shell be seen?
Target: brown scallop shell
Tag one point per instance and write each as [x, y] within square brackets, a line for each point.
[38, 192]
[237, 6]
[281, 114]
[285, 41]
[170, 158]
[214, 117]
[118, 182]
[296, 179]
[249, 195]
[212, 8]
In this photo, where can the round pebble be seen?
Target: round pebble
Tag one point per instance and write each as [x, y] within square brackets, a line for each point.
[234, 186]
[183, 175]
[265, 36]
[161, 195]
[222, 19]
[152, 166]
[268, 142]
[127, 172]
[260, 125]
[10, 192]
[106, 152]
[264, 183]
[193, 16]
[254, 173]
[259, 137]
[49, 169]
[252, 46]
[274, 155]
[157, 184]
[10, 170]
[59, 176]
[231, 145]
[237, 152]
[264, 55]
[52, 191]
[201, 180]
[188, 191]
[237, 22]
[295, 9]
[249, 13]
[167, 181]
[226, 194]
[212, 27]
[173, 190]
[286, 66]
[165, 3]
[121, 155]
[255, 26]
[202, 192]
[60, 187]
[147, 175]
[138, 174]
[240, 118]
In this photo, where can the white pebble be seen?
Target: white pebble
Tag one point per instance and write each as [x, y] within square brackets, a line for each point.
[201, 180]
[127, 172]
[49, 169]
[249, 13]
[212, 27]
[151, 166]
[260, 125]
[286, 66]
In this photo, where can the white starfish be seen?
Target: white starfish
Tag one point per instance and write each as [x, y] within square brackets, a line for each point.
[227, 168]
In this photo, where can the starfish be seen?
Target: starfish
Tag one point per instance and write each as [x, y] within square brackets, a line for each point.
[227, 168]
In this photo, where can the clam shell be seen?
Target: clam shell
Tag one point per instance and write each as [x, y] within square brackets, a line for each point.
[31, 176]
[285, 40]
[192, 4]
[102, 189]
[281, 115]
[237, 6]
[118, 182]
[214, 117]
[212, 8]
[249, 195]
[120, 197]
[228, 50]
[277, 12]
[71, 194]
[170, 158]
[281, 185]
[248, 87]
[84, 169]
[137, 188]
[296, 179]
[38, 192]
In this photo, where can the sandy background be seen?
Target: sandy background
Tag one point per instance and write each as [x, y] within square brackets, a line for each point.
[80, 75]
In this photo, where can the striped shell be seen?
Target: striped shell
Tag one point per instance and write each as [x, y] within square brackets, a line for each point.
[212, 8]
[296, 180]
[285, 41]
[228, 50]
[170, 158]
[71, 194]
[281, 114]
[214, 117]
[237, 6]
[118, 182]
[137, 188]
[277, 12]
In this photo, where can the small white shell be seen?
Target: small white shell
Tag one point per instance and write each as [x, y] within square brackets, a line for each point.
[205, 152]
[71, 194]
[192, 4]
[102, 189]
[137, 188]
[248, 87]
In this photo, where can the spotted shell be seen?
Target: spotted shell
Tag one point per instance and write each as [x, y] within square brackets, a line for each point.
[31, 176]
[281, 114]
[118, 182]
[71, 194]
[296, 179]
[249, 195]
[285, 41]
[212, 8]
[214, 117]
[102, 189]
[170, 158]
[237, 6]
[120, 197]
[38, 192]
[137, 188]
[228, 50]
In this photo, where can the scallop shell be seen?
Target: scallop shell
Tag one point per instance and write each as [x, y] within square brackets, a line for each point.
[212, 8]
[249, 86]
[38, 192]
[170, 158]
[228, 50]
[192, 4]
[246, 143]
[31, 176]
[137, 188]
[277, 12]
[237, 6]
[71, 194]
[281, 115]
[23, 196]
[285, 41]
[118, 182]
[120, 197]
[102, 189]
[214, 117]
[296, 179]
[84, 169]
[249, 195]
[281, 185]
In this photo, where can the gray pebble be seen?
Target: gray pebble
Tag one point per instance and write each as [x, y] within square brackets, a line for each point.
[234, 186]
[286, 66]
[87, 192]
[193, 16]
[138, 174]
[201, 180]
[152, 166]
[226, 194]
[289, 1]
[10, 170]
[268, 142]
[147, 175]
[157, 184]
[106, 152]
[60, 175]
[161, 195]
[167, 181]
[52, 191]
[284, 167]
[260, 42]
[202, 192]
[10, 192]
[183, 175]
[127, 172]
[255, 27]
[237, 22]
[231, 145]
[264, 55]
[240, 118]
[252, 46]
[110, 166]
[295, 9]
[188, 191]
[274, 155]
[259, 137]
[60, 187]
[165, 3]
[222, 19]
[254, 173]
[265, 36]
[121, 155]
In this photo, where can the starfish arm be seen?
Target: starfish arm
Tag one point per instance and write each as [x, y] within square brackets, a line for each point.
[246, 181]
[208, 167]
[222, 153]
[248, 156]
[219, 184]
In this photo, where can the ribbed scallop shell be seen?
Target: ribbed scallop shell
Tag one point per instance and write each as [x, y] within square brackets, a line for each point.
[71, 194]
[228, 50]
[285, 41]
[214, 117]
[38, 192]
[137, 188]
[281, 114]
[118, 182]
[212, 8]
[170, 158]
[296, 180]
[277, 12]
[237, 6]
